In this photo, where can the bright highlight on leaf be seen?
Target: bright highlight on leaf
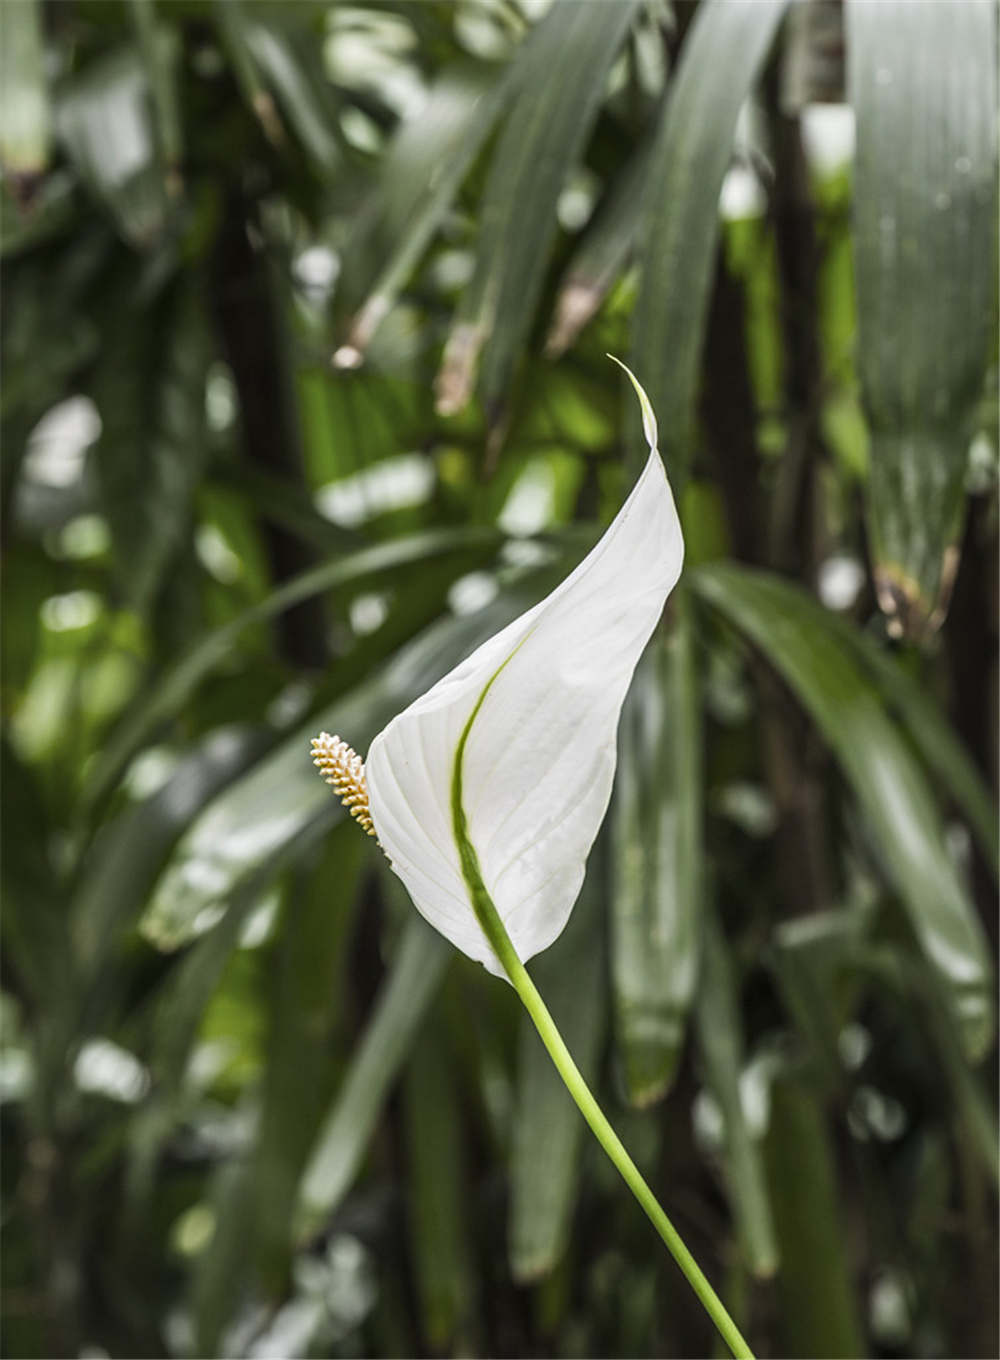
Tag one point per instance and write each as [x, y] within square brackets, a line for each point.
[525, 729]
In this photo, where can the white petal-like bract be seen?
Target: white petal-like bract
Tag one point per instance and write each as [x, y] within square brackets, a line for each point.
[539, 757]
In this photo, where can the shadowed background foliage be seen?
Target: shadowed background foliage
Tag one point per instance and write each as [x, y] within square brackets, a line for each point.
[304, 394]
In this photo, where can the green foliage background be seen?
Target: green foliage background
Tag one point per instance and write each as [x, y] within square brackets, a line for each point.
[304, 394]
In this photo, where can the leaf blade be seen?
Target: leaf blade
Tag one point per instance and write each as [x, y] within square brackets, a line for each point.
[922, 81]
[657, 864]
[415, 975]
[719, 62]
[540, 140]
[793, 633]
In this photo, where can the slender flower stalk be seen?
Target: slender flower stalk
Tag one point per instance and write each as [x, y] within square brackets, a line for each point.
[486, 794]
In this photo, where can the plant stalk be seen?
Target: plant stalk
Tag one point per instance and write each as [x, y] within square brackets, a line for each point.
[496, 932]
[615, 1149]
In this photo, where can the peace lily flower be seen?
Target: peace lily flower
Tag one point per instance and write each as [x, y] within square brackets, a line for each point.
[511, 756]
[486, 794]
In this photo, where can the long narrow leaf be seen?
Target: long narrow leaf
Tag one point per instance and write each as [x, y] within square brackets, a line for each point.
[937, 743]
[407, 991]
[160, 47]
[720, 1041]
[657, 864]
[284, 64]
[25, 115]
[719, 62]
[103, 120]
[306, 1001]
[923, 82]
[603, 250]
[819, 1314]
[125, 860]
[440, 1246]
[420, 176]
[793, 632]
[150, 391]
[560, 81]
[177, 684]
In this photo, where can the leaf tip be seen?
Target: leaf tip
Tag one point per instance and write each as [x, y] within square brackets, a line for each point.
[648, 416]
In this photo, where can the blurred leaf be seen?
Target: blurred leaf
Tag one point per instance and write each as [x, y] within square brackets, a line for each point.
[150, 391]
[606, 243]
[547, 1139]
[49, 213]
[180, 1006]
[560, 74]
[122, 866]
[794, 634]
[419, 176]
[923, 82]
[928, 729]
[719, 62]
[232, 29]
[440, 1247]
[222, 1268]
[814, 961]
[103, 120]
[976, 1113]
[283, 62]
[408, 989]
[818, 1313]
[306, 1001]
[280, 501]
[34, 916]
[176, 684]
[25, 115]
[160, 46]
[656, 883]
[720, 1041]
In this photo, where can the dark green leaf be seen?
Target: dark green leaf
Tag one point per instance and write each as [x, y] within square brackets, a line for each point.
[656, 881]
[929, 731]
[160, 46]
[923, 82]
[438, 1193]
[719, 62]
[794, 634]
[127, 857]
[150, 390]
[818, 1313]
[283, 62]
[103, 120]
[720, 1041]
[178, 682]
[415, 974]
[306, 1003]
[560, 80]
[603, 250]
[420, 175]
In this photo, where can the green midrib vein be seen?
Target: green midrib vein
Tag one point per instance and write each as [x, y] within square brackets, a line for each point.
[482, 903]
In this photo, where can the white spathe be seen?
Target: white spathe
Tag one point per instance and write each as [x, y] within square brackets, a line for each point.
[540, 756]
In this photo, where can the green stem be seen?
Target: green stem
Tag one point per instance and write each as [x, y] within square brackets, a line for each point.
[496, 933]
[613, 1146]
